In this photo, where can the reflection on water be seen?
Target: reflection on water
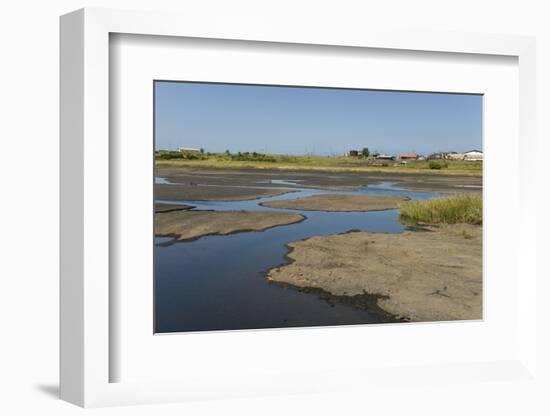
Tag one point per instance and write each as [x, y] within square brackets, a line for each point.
[285, 182]
[469, 186]
[217, 282]
[162, 181]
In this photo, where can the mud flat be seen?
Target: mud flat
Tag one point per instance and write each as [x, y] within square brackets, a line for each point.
[198, 192]
[193, 181]
[341, 203]
[430, 275]
[190, 225]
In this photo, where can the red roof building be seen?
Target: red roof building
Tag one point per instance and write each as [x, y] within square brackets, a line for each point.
[408, 156]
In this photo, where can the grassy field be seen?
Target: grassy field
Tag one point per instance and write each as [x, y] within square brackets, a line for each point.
[449, 210]
[329, 163]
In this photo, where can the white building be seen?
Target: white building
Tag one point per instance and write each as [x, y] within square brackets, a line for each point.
[455, 156]
[473, 155]
[189, 150]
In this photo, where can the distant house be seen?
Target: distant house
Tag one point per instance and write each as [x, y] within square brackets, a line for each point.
[408, 156]
[437, 156]
[189, 150]
[473, 155]
[353, 153]
[455, 156]
[385, 157]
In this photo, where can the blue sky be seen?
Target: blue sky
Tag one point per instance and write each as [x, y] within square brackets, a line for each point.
[293, 120]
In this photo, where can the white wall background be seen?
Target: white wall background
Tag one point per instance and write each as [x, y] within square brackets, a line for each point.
[29, 209]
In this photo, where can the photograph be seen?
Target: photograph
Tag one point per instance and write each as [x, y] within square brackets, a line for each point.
[296, 206]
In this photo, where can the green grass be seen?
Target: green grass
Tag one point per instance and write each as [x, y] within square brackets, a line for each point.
[335, 163]
[467, 208]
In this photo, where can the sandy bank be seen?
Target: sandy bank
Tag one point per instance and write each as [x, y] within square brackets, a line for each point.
[171, 207]
[430, 275]
[346, 203]
[189, 225]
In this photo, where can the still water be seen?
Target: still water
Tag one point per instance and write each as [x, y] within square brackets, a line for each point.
[218, 283]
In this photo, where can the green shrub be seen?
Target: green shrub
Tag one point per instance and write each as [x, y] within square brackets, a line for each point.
[253, 157]
[437, 165]
[168, 155]
[467, 208]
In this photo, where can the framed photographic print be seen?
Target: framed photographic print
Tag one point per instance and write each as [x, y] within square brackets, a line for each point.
[240, 206]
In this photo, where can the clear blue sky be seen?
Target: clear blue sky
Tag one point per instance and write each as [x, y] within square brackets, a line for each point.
[290, 120]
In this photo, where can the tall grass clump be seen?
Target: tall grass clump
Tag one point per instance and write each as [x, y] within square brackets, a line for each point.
[466, 208]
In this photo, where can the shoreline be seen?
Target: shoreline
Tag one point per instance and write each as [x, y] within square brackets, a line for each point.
[161, 208]
[363, 301]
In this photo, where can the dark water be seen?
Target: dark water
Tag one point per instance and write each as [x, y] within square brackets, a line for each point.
[218, 283]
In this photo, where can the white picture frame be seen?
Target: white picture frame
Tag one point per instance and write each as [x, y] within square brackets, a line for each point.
[86, 303]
